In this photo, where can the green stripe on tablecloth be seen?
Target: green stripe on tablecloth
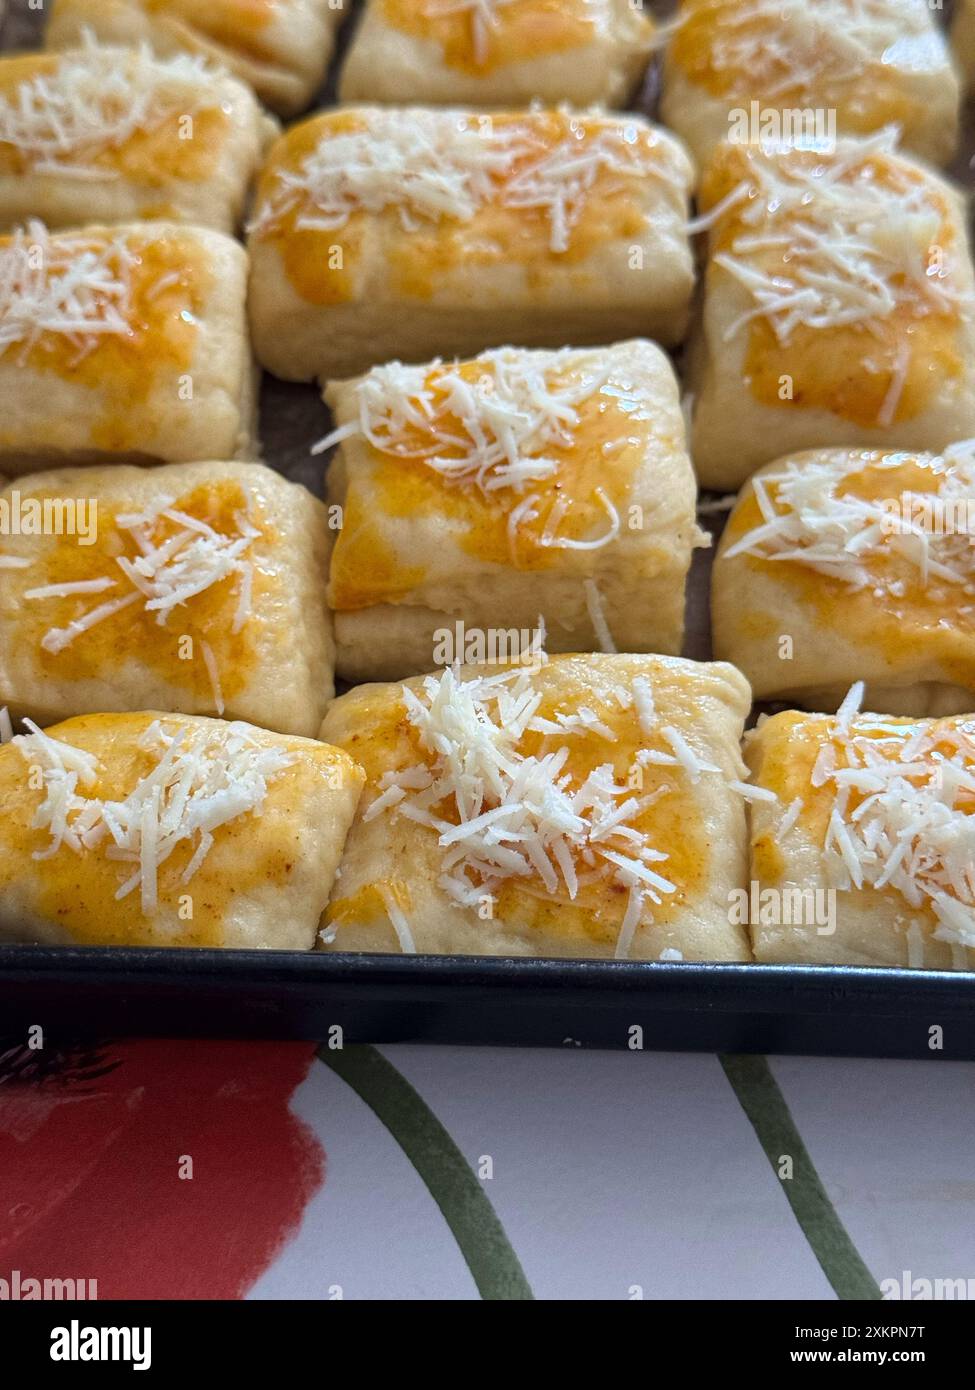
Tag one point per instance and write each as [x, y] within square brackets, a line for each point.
[448, 1176]
[764, 1104]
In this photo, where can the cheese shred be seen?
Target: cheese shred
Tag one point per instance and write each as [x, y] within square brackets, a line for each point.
[72, 285]
[502, 815]
[448, 165]
[96, 100]
[199, 782]
[822, 241]
[901, 815]
[178, 558]
[498, 424]
[812, 516]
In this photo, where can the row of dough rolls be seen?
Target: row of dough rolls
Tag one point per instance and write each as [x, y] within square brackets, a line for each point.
[837, 305]
[213, 587]
[592, 263]
[586, 806]
[871, 66]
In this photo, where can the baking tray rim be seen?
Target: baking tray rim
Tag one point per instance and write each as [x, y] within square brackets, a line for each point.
[243, 984]
[723, 986]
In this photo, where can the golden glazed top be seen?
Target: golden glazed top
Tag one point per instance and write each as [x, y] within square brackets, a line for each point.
[528, 457]
[438, 190]
[168, 821]
[852, 270]
[478, 37]
[881, 547]
[109, 113]
[847, 56]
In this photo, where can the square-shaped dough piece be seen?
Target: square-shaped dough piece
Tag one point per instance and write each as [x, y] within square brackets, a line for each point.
[410, 234]
[866, 856]
[848, 565]
[478, 497]
[839, 308]
[197, 587]
[783, 68]
[587, 807]
[116, 135]
[281, 48]
[123, 344]
[963, 36]
[166, 830]
[498, 52]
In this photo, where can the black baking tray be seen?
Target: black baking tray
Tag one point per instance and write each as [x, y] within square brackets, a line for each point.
[95, 992]
[74, 992]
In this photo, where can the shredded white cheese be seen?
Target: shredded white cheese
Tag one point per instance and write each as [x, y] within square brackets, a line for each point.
[915, 947]
[561, 182]
[790, 819]
[78, 586]
[750, 792]
[849, 706]
[714, 506]
[903, 813]
[483, 16]
[426, 168]
[645, 708]
[495, 431]
[631, 920]
[500, 814]
[201, 780]
[811, 518]
[443, 165]
[597, 616]
[776, 48]
[397, 918]
[824, 241]
[179, 556]
[97, 100]
[685, 755]
[210, 662]
[71, 285]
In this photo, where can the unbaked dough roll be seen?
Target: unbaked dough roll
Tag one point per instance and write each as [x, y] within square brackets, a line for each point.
[548, 488]
[845, 565]
[197, 587]
[865, 855]
[791, 68]
[167, 830]
[281, 48]
[116, 135]
[839, 308]
[590, 806]
[498, 52]
[123, 344]
[409, 234]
